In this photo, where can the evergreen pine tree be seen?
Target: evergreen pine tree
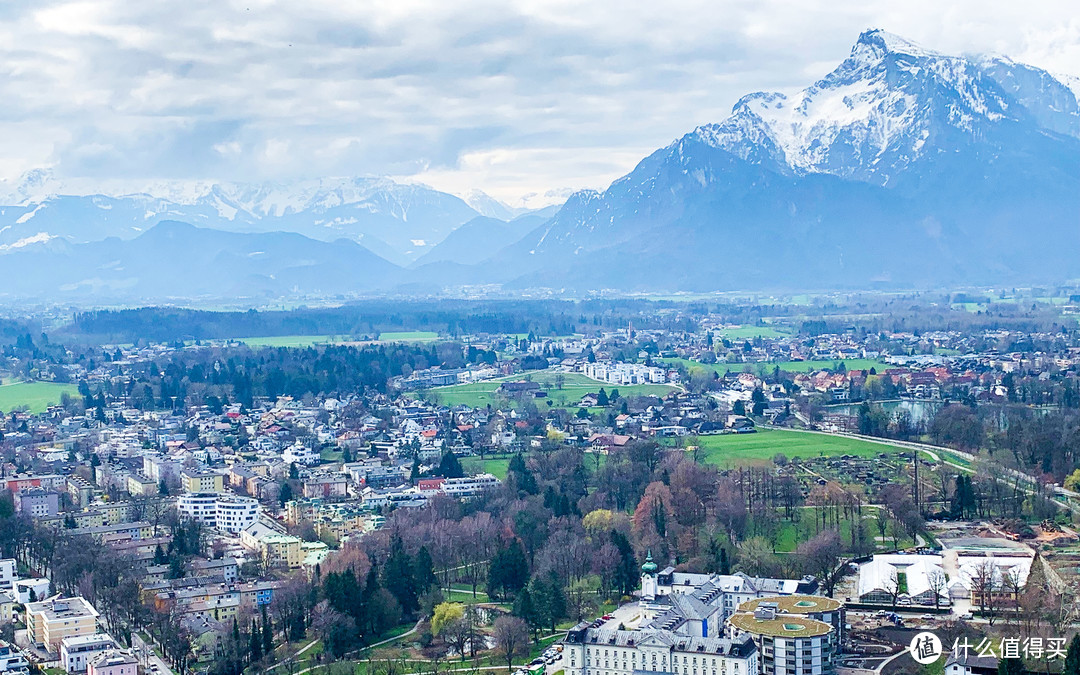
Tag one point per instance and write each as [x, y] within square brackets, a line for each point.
[1072, 658]
[267, 632]
[255, 643]
[398, 577]
[424, 571]
[450, 467]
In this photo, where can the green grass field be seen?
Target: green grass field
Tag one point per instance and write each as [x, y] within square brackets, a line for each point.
[745, 332]
[495, 466]
[789, 366]
[575, 385]
[761, 447]
[310, 340]
[36, 396]
[789, 534]
[408, 336]
[291, 340]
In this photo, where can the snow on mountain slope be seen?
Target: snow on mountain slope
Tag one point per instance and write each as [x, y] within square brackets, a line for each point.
[880, 110]
[363, 209]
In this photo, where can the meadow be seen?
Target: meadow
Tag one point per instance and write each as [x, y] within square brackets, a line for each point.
[295, 341]
[760, 447]
[749, 332]
[35, 396]
[496, 466]
[575, 385]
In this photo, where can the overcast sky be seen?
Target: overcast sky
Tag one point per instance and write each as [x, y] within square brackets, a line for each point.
[514, 97]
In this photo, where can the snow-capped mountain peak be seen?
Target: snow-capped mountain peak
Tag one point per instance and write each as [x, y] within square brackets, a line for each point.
[876, 43]
[885, 106]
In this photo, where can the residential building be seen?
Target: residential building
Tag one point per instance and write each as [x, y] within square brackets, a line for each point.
[276, 548]
[469, 486]
[301, 455]
[11, 660]
[50, 621]
[27, 590]
[38, 502]
[8, 574]
[80, 490]
[76, 652]
[139, 485]
[326, 486]
[226, 512]
[195, 481]
[114, 663]
[226, 568]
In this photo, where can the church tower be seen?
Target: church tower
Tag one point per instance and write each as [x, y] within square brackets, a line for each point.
[648, 579]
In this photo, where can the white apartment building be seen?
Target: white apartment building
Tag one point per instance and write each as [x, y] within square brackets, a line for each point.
[8, 574]
[625, 373]
[226, 512]
[469, 486]
[301, 455]
[77, 652]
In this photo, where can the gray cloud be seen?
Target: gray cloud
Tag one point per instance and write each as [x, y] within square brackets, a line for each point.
[513, 97]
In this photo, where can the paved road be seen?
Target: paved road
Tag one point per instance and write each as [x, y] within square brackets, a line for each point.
[148, 657]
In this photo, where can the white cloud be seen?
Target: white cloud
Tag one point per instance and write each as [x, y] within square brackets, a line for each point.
[514, 97]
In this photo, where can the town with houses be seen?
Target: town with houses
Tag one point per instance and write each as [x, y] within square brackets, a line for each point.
[279, 487]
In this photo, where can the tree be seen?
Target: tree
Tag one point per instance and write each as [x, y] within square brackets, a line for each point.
[509, 570]
[820, 555]
[267, 632]
[937, 581]
[398, 577]
[255, 643]
[756, 558]
[983, 588]
[449, 466]
[1072, 658]
[511, 635]
[445, 614]
[424, 571]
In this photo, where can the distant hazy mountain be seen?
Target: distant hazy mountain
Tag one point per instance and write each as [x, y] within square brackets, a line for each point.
[903, 165]
[178, 260]
[400, 222]
[479, 239]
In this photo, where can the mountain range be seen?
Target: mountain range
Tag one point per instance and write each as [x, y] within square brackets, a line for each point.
[902, 167]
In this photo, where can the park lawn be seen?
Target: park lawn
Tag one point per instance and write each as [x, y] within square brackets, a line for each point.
[331, 455]
[408, 336]
[35, 396]
[788, 366]
[748, 332]
[762, 446]
[790, 534]
[575, 385]
[499, 466]
[495, 466]
[293, 341]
